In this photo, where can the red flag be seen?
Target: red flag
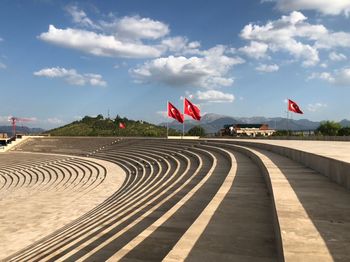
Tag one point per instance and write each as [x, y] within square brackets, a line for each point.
[192, 110]
[292, 106]
[173, 112]
[122, 125]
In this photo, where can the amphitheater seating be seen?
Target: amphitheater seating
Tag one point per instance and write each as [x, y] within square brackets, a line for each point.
[195, 200]
[46, 172]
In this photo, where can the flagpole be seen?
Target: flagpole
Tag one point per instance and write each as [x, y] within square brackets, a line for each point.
[183, 124]
[167, 120]
[287, 120]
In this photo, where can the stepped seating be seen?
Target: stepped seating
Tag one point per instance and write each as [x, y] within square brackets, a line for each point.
[64, 145]
[26, 172]
[168, 186]
[193, 200]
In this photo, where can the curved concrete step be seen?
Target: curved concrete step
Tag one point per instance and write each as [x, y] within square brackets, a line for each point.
[312, 214]
[174, 192]
[35, 212]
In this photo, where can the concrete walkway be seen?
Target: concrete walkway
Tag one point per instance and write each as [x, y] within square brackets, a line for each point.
[333, 149]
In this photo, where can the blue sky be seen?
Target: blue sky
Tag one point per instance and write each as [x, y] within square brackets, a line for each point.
[61, 60]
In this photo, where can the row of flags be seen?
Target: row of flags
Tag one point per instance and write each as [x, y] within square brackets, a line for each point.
[193, 111]
[190, 109]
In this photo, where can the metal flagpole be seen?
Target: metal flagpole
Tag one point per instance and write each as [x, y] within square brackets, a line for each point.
[167, 120]
[287, 122]
[183, 124]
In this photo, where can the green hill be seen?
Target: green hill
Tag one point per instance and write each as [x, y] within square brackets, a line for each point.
[100, 126]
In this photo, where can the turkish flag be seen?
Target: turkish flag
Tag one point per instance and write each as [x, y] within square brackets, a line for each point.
[192, 110]
[173, 112]
[292, 106]
[122, 125]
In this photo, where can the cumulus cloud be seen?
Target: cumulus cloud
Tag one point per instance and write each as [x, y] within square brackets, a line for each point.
[338, 77]
[116, 37]
[284, 34]
[327, 7]
[181, 45]
[255, 50]
[294, 35]
[72, 76]
[316, 107]
[267, 68]
[127, 37]
[98, 44]
[208, 70]
[337, 56]
[135, 27]
[333, 39]
[214, 96]
[127, 27]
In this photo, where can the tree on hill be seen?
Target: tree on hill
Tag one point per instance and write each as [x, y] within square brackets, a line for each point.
[344, 131]
[329, 128]
[100, 126]
[196, 131]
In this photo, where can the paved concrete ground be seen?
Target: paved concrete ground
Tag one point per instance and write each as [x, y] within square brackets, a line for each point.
[313, 213]
[201, 201]
[333, 149]
[28, 215]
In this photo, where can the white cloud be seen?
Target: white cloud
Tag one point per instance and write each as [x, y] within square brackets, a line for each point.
[127, 27]
[208, 70]
[267, 68]
[255, 50]
[120, 37]
[338, 77]
[72, 76]
[328, 7]
[1, 39]
[285, 33]
[341, 77]
[324, 76]
[2, 66]
[135, 27]
[337, 56]
[80, 17]
[4, 119]
[98, 44]
[214, 96]
[316, 107]
[331, 40]
[181, 44]
[55, 121]
[294, 35]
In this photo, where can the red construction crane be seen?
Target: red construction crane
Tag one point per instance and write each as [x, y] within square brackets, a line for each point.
[14, 120]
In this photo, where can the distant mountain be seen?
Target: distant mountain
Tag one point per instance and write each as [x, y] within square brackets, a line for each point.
[345, 123]
[212, 123]
[20, 129]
